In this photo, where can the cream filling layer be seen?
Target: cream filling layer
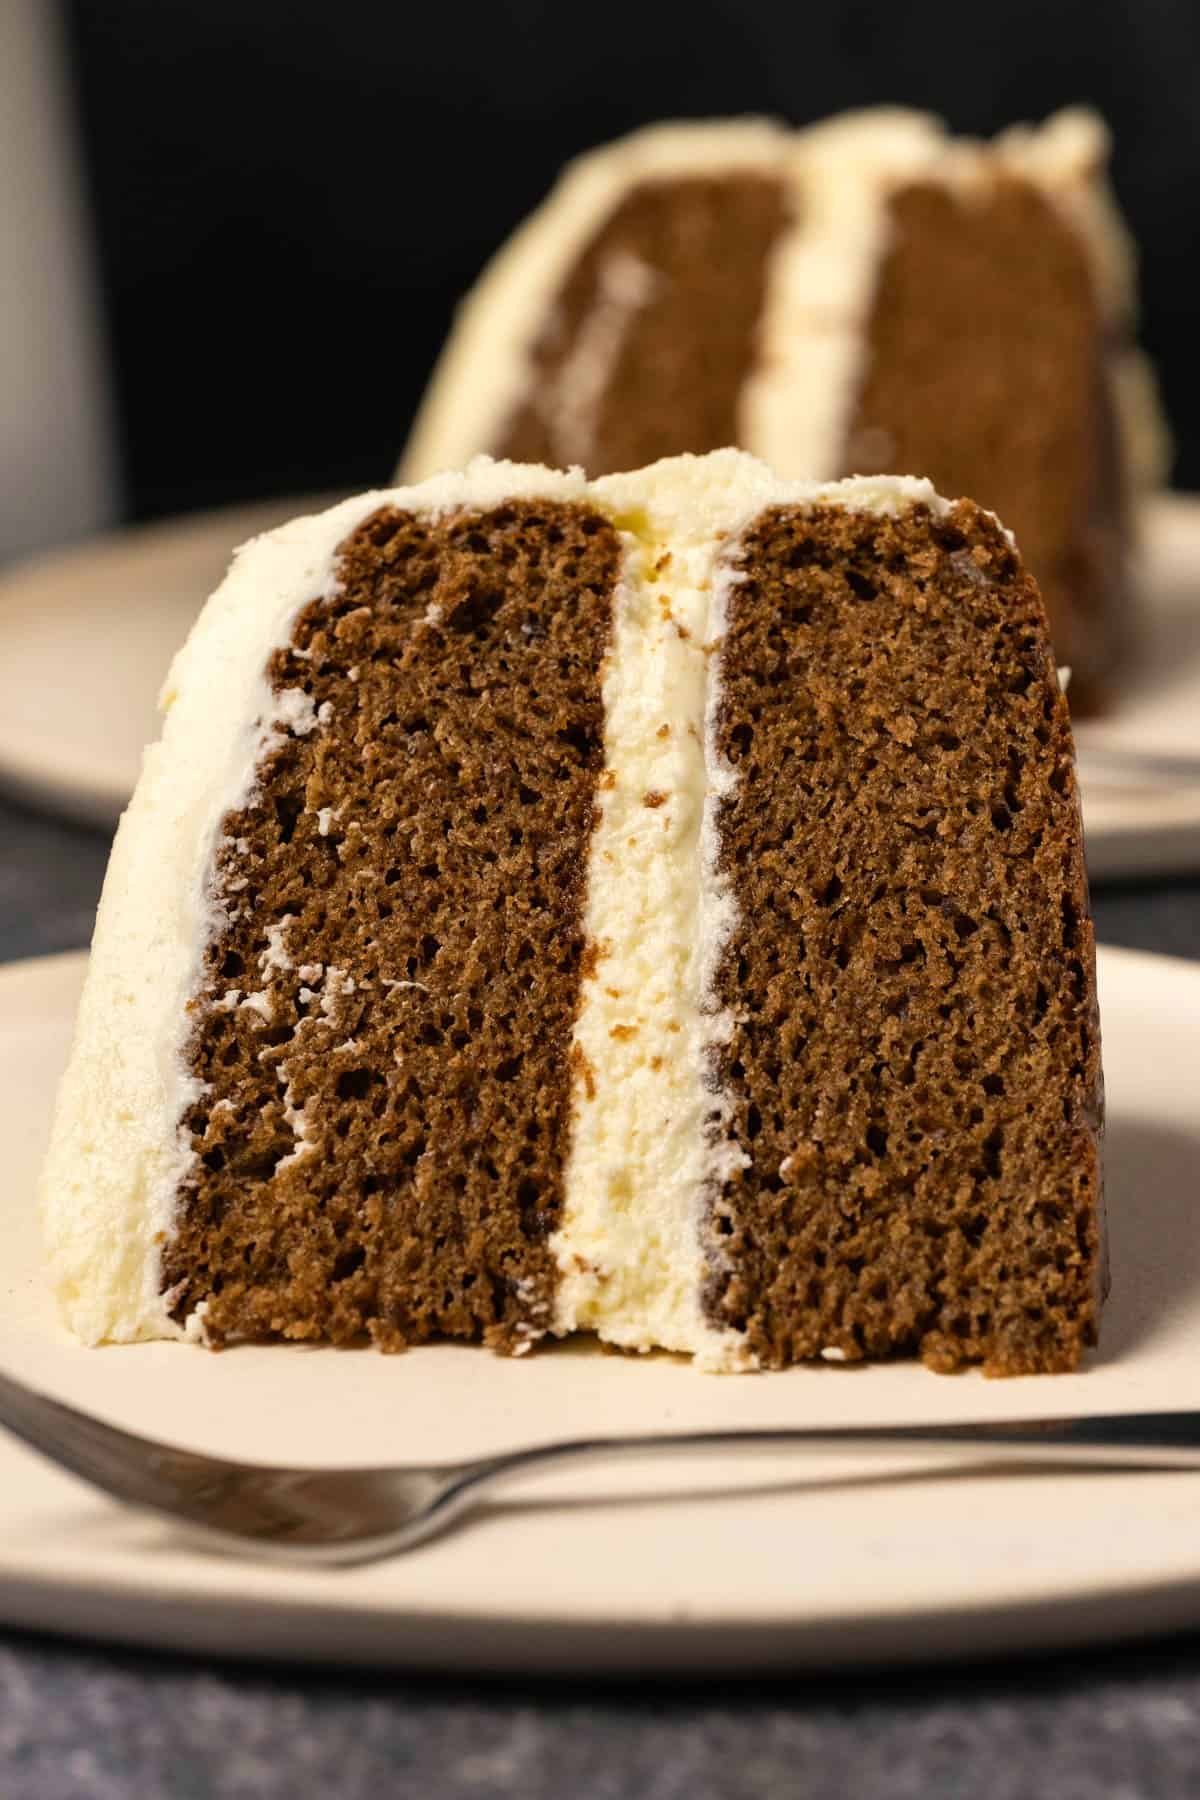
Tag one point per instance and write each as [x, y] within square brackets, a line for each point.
[631, 1245]
[795, 409]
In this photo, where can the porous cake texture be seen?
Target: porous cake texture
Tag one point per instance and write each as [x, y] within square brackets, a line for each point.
[864, 295]
[651, 906]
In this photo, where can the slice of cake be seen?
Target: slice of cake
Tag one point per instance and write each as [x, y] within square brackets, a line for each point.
[651, 906]
[868, 294]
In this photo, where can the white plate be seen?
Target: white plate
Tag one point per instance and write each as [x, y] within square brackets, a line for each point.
[1142, 829]
[87, 636]
[680, 1566]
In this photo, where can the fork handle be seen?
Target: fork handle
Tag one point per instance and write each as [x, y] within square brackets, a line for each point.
[1167, 1440]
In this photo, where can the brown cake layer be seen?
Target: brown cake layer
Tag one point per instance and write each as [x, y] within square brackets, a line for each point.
[914, 1069]
[429, 836]
[680, 355]
[986, 371]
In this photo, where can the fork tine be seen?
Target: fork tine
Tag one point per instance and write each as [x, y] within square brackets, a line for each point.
[314, 1515]
[130, 1467]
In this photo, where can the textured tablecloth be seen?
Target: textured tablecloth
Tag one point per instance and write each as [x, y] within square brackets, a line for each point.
[80, 1722]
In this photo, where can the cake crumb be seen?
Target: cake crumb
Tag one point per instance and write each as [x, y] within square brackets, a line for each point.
[584, 1071]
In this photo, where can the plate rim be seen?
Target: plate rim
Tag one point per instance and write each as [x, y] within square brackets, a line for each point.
[450, 1643]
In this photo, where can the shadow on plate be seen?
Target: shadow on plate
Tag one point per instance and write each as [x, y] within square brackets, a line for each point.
[1152, 1181]
[105, 1528]
[1167, 649]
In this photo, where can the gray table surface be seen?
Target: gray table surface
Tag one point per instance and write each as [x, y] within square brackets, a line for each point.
[81, 1722]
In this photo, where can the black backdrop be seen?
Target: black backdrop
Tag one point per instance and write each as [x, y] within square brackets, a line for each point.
[289, 197]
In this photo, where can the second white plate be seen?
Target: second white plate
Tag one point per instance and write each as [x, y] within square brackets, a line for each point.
[1141, 828]
[86, 637]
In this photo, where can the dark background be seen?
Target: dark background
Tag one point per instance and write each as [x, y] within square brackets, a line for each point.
[289, 198]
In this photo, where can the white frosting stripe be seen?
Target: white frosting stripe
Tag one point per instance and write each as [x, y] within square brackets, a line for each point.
[629, 1247]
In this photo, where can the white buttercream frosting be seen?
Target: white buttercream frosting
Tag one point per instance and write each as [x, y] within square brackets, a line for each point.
[631, 1246]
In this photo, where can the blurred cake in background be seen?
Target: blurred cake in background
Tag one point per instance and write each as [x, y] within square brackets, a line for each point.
[868, 294]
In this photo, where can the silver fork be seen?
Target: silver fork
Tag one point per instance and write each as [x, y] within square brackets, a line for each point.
[331, 1516]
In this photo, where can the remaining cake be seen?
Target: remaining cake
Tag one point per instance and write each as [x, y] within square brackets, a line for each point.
[868, 294]
[652, 906]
